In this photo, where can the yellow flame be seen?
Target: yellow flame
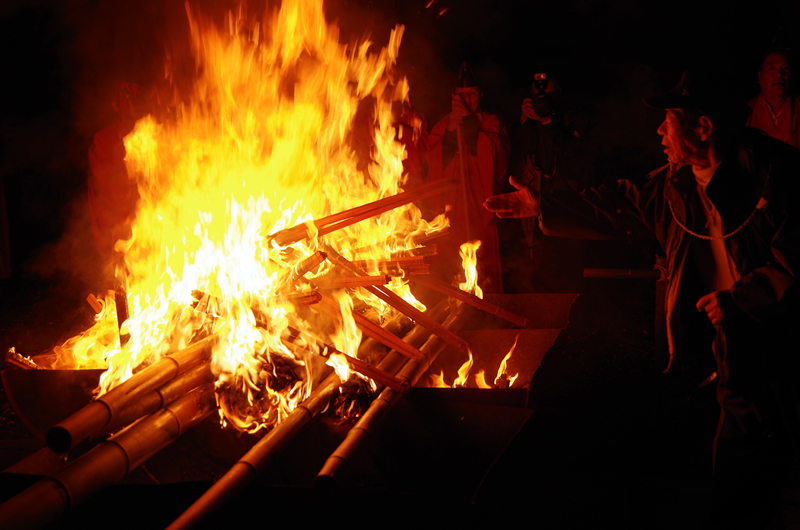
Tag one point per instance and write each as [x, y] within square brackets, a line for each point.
[437, 381]
[259, 144]
[502, 369]
[469, 260]
[463, 372]
[480, 380]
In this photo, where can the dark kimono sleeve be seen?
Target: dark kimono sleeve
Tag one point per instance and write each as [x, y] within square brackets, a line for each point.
[618, 211]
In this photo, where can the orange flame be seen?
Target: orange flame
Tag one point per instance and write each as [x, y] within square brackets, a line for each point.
[260, 144]
[501, 371]
[469, 260]
[463, 372]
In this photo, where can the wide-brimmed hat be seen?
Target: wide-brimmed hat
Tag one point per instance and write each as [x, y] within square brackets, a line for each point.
[713, 94]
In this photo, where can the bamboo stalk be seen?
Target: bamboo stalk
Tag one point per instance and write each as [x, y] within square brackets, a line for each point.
[48, 500]
[474, 301]
[370, 329]
[20, 361]
[330, 223]
[299, 299]
[93, 419]
[299, 270]
[418, 271]
[350, 282]
[253, 464]
[291, 335]
[432, 235]
[401, 305]
[394, 263]
[384, 404]
[198, 376]
[427, 250]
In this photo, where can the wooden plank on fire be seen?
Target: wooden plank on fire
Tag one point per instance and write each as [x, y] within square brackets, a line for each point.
[349, 282]
[331, 223]
[370, 329]
[295, 337]
[458, 294]
[401, 305]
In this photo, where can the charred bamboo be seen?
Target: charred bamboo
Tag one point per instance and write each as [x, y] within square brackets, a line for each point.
[368, 328]
[51, 498]
[299, 270]
[474, 301]
[401, 305]
[394, 263]
[350, 282]
[253, 464]
[427, 250]
[384, 404]
[296, 338]
[20, 361]
[95, 418]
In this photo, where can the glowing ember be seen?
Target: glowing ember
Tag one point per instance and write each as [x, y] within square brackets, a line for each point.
[260, 144]
[469, 260]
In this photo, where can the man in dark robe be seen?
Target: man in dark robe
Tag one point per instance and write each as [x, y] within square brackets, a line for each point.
[724, 212]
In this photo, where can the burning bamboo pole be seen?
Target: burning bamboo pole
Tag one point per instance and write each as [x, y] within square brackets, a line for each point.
[385, 402]
[152, 401]
[401, 305]
[372, 330]
[51, 498]
[291, 335]
[253, 464]
[299, 270]
[351, 282]
[96, 418]
[331, 223]
[426, 250]
[474, 301]
[21, 361]
[393, 263]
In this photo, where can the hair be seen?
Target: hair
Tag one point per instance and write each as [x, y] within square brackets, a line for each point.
[787, 53]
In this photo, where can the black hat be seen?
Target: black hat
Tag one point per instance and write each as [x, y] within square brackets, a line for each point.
[466, 77]
[693, 91]
[713, 93]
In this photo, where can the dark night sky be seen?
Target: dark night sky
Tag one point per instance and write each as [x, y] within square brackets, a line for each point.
[60, 61]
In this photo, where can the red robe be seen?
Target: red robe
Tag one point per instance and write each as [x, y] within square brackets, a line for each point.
[487, 161]
[112, 195]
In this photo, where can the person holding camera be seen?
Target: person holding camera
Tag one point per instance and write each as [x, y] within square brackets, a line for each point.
[549, 154]
[471, 146]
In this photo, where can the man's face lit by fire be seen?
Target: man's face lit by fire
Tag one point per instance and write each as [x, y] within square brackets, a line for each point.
[471, 96]
[680, 139]
[773, 78]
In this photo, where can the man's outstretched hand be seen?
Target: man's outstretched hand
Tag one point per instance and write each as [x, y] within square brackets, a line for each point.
[520, 203]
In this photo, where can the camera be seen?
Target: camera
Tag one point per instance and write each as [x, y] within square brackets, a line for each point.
[542, 103]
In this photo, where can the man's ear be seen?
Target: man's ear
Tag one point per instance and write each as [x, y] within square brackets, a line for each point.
[706, 126]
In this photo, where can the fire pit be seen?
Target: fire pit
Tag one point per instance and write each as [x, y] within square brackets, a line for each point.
[261, 286]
